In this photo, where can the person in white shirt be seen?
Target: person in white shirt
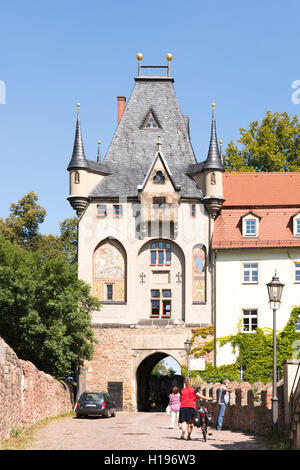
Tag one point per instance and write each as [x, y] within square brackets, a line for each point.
[222, 402]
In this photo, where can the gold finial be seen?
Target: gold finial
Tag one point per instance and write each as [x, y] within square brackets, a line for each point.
[98, 154]
[213, 105]
[139, 56]
[221, 142]
[169, 56]
[78, 106]
[158, 143]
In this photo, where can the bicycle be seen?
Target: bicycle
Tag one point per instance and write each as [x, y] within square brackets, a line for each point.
[202, 419]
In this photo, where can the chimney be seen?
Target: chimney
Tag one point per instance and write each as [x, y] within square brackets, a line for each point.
[121, 106]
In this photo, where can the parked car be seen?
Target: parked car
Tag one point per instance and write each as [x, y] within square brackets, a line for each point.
[91, 403]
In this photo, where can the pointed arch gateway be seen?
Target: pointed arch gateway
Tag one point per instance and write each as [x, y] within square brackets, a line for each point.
[149, 388]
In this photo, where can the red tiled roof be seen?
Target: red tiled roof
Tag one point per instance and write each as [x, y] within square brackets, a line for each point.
[261, 189]
[274, 197]
[275, 229]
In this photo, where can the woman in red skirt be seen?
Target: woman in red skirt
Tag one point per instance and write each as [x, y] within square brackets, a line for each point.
[188, 408]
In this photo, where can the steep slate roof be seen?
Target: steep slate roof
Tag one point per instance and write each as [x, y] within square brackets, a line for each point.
[133, 148]
[273, 197]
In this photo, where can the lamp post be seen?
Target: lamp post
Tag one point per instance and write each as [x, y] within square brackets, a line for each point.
[187, 347]
[275, 288]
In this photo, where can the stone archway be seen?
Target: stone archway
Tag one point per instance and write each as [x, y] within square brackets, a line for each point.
[143, 374]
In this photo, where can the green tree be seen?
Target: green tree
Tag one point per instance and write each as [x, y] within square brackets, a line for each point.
[69, 238]
[161, 369]
[272, 146]
[45, 309]
[22, 227]
[22, 224]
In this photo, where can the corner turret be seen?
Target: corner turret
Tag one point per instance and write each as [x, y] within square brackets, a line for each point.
[213, 169]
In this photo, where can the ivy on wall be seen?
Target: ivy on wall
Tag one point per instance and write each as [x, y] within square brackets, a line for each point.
[255, 352]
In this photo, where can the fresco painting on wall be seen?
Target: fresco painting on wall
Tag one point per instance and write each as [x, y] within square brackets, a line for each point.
[109, 268]
[199, 262]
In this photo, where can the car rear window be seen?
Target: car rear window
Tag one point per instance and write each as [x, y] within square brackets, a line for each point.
[91, 396]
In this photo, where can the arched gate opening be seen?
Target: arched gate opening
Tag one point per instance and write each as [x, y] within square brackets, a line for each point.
[149, 389]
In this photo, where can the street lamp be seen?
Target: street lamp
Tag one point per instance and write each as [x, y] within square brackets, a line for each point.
[275, 288]
[187, 347]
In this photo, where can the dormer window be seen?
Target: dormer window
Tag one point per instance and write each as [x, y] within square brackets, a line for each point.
[150, 122]
[159, 177]
[296, 225]
[250, 226]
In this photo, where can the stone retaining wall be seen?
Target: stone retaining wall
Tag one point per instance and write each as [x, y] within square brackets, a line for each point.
[28, 395]
[250, 406]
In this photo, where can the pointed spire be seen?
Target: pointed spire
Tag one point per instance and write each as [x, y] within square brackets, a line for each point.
[99, 154]
[78, 159]
[214, 160]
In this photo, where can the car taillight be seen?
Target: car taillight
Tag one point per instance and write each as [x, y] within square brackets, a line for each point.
[78, 403]
[104, 404]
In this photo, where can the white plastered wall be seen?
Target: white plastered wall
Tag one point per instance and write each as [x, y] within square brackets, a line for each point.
[233, 295]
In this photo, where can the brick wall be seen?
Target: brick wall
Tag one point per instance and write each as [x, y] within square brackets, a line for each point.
[28, 395]
[250, 406]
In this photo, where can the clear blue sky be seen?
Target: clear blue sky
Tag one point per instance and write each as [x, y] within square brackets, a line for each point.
[242, 55]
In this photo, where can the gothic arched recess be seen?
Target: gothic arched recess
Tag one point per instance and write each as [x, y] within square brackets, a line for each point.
[161, 263]
[109, 271]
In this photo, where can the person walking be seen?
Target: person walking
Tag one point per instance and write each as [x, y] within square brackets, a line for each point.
[223, 402]
[188, 408]
[174, 406]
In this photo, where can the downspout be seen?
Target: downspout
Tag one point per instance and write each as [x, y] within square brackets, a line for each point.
[212, 261]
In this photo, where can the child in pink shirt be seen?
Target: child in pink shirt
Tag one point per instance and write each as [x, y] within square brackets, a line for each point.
[174, 405]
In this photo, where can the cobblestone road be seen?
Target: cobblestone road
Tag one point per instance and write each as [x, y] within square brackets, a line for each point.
[133, 431]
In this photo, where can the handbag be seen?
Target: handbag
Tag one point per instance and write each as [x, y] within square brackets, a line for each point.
[168, 410]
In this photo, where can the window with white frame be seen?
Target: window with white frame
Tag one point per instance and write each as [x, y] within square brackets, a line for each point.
[249, 320]
[297, 272]
[250, 273]
[250, 226]
[297, 226]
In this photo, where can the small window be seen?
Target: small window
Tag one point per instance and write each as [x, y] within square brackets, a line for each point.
[153, 258]
[298, 227]
[155, 308]
[160, 257]
[161, 306]
[167, 293]
[159, 177]
[249, 320]
[118, 210]
[166, 308]
[193, 210]
[109, 288]
[150, 122]
[101, 210]
[297, 272]
[155, 293]
[160, 253]
[250, 273]
[76, 177]
[159, 201]
[250, 228]
[168, 258]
